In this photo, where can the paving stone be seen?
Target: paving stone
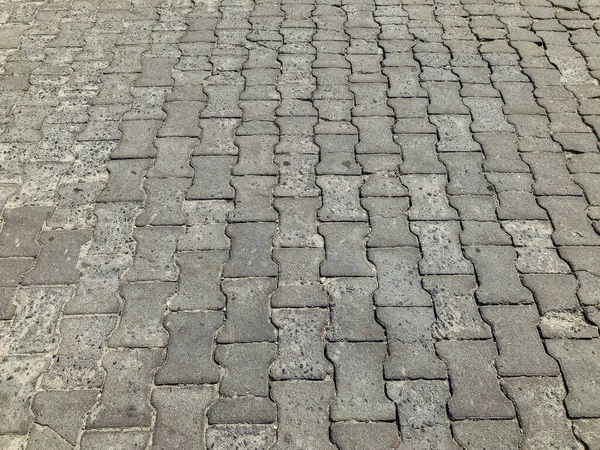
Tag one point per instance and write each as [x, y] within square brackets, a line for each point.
[454, 133]
[303, 414]
[553, 292]
[240, 437]
[539, 404]
[501, 152]
[113, 231]
[465, 173]
[190, 330]
[483, 234]
[518, 98]
[242, 410]
[566, 325]
[12, 270]
[156, 72]
[337, 154]
[164, 202]
[345, 249]
[218, 136]
[7, 306]
[77, 364]
[412, 354]
[125, 400]
[341, 198]
[474, 207]
[359, 435]
[519, 205]
[419, 154]
[206, 225]
[172, 158]
[488, 434]
[253, 196]
[20, 230]
[389, 224]
[173, 431]
[296, 175]
[375, 135]
[246, 368]
[351, 307]
[44, 437]
[125, 181]
[182, 119]
[298, 284]
[476, 393]
[579, 363]
[590, 183]
[105, 440]
[354, 362]
[444, 98]
[437, 260]
[551, 175]
[212, 178]
[586, 431]
[145, 301]
[250, 250]
[571, 225]
[422, 413]
[19, 375]
[63, 411]
[428, 197]
[297, 222]
[137, 139]
[154, 254]
[255, 155]
[497, 276]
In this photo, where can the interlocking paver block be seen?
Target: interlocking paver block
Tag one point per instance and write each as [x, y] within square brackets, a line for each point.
[44, 437]
[190, 330]
[253, 198]
[154, 254]
[250, 254]
[212, 178]
[256, 155]
[164, 202]
[419, 154]
[106, 440]
[173, 157]
[182, 119]
[476, 393]
[297, 222]
[218, 137]
[125, 181]
[428, 197]
[341, 201]
[199, 281]
[296, 175]
[345, 250]
[243, 410]
[389, 222]
[20, 231]
[465, 172]
[488, 434]
[136, 140]
[113, 231]
[240, 437]
[298, 284]
[360, 435]
[571, 224]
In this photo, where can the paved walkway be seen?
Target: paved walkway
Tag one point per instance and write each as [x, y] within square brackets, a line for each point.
[314, 224]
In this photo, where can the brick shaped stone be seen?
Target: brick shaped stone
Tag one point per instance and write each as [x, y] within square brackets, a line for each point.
[189, 353]
[487, 115]
[125, 181]
[429, 200]
[345, 249]
[243, 410]
[248, 311]
[454, 134]
[456, 311]
[553, 292]
[302, 414]
[389, 222]
[223, 99]
[173, 158]
[156, 72]
[499, 282]
[199, 281]
[299, 284]
[253, 197]
[164, 202]
[20, 230]
[154, 254]
[218, 137]
[419, 154]
[297, 222]
[296, 175]
[375, 135]
[539, 402]
[354, 362]
[444, 98]
[125, 398]
[341, 201]
[519, 205]
[570, 221]
[136, 139]
[113, 231]
[360, 435]
[206, 222]
[238, 437]
[337, 154]
[171, 429]
[476, 393]
[465, 172]
[141, 323]
[181, 119]
[256, 155]
[421, 406]
[501, 152]
[246, 368]
[250, 254]
[351, 306]
[212, 178]
[492, 434]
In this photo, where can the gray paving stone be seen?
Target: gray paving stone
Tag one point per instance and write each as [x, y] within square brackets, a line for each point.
[488, 434]
[19, 375]
[487, 115]
[483, 234]
[246, 368]
[345, 250]
[212, 178]
[454, 133]
[13, 269]
[359, 435]
[586, 431]
[206, 225]
[497, 276]
[250, 250]
[389, 222]
[7, 306]
[125, 181]
[302, 412]
[428, 197]
[422, 416]
[444, 98]
[190, 330]
[255, 155]
[154, 254]
[419, 154]
[375, 135]
[551, 175]
[113, 231]
[44, 437]
[474, 207]
[218, 136]
[253, 197]
[136, 139]
[63, 411]
[182, 119]
[341, 198]
[465, 173]
[354, 362]
[476, 393]
[501, 152]
[242, 410]
[240, 437]
[337, 154]
[173, 431]
[571, 225]
[541, 414]
[296, 175]
[298, 284]
[172, 158]
[351, 309]
[553, 292]
[164, 202]
[20, 230]
[105, 440]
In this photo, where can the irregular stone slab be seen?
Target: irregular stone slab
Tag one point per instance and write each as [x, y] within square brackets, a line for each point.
[299, 284]
[488, 434]
[360, 435]
[541, 412]
[154, 254]
[246, 368]
[189, 353]
[476, 393]
[297, 222]
[64, 411]
[300, 346]
[164, 202]
[13, 269]
[446, 259]
[303, 414]
[351, 306]
[345, 249]
[77, 364]
[41, 438]
[180, 415]
[355, 362]
[250, 254]
[125, 181]
[389, 222]
[212, 178]
[20, 230]
[248, 310]
[399, 282]
[18, 377]
[499, 282]
[412, 354]
[125, 400]
[580, 366]
[522, 352]
[422, 413]
[253, 198]
[141, 323]
[240, 437]
[429, 200]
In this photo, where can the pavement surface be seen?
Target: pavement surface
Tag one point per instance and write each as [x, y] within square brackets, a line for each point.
[300, 224]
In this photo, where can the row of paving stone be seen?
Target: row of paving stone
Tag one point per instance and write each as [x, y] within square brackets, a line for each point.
[355, 224]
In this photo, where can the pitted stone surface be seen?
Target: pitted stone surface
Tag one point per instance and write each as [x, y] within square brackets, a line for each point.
[323, 224]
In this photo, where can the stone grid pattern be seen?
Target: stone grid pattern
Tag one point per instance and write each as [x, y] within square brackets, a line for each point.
[300, 224]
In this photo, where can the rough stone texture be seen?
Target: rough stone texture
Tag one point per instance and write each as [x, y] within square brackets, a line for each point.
[359, 435]
[488, 434]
